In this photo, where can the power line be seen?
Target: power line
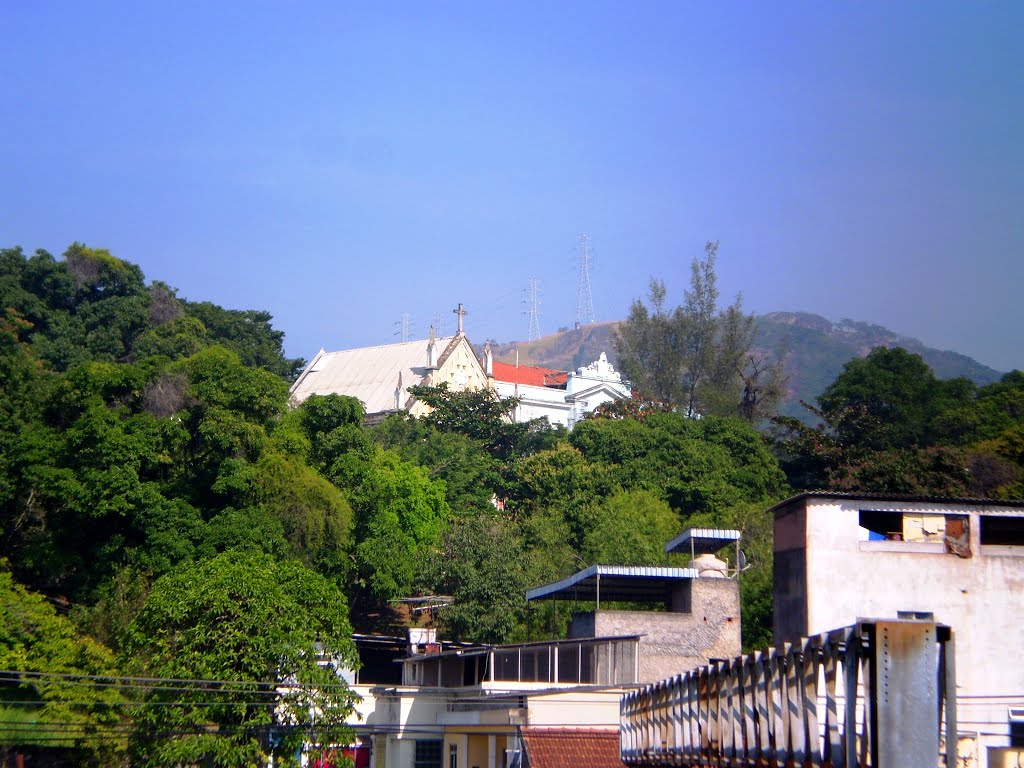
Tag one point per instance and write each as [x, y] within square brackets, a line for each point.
[404, 324]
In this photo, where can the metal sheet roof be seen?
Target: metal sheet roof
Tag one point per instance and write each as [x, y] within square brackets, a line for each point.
[627, 583]
[970, 501]
[370, 374]
[702, 541]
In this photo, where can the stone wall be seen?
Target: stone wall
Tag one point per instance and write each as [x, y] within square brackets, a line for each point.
[674, 642]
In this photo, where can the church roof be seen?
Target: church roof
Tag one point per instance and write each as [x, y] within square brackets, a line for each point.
[370, 374]
[531, 375]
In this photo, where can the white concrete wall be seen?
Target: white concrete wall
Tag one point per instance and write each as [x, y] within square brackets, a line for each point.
[980, 597]
[537, 402]
[576, 707]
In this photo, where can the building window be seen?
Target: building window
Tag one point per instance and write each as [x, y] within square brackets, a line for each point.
[453, 756]
[428, 753]
[882, 526]
[913, 531]
[1002, 531]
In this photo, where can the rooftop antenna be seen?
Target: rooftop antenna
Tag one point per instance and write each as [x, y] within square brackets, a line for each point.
[532, 302]
[584, 299]
[403, 327]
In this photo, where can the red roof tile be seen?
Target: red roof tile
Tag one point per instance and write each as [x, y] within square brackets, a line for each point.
[529, 374]
[572, 747]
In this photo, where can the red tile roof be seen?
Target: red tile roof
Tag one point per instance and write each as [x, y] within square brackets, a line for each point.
[571, 747]
[529, 374]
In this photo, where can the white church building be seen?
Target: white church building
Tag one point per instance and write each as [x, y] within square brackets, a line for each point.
[561, 397]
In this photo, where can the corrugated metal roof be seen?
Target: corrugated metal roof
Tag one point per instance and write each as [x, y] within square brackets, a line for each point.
[898, 497]
[702, 541]
[370, 374]
[618, 582]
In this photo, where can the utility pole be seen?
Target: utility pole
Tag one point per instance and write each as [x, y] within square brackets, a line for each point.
[403, 327]
[532, 302]
[584, 299]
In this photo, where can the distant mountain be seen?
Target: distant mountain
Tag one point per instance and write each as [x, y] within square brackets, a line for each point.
[816, 349]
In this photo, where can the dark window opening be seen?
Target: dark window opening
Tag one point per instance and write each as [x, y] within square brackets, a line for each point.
[453, 756]
[1002, 530]
[379, 665]
[882, 526]
[1017, 727]
[506, 665]
[472, 670]
[428, 753]
[569, 664]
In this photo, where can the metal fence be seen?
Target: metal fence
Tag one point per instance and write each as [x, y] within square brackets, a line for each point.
[787, 706]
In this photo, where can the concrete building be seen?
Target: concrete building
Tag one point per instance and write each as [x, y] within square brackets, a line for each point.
[839, 557]
[561, 397]
[443, 705]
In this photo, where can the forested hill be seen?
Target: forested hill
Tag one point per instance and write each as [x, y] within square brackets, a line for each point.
[92, 306]
[816, 350]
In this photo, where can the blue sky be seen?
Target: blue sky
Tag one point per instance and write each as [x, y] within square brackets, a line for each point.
[340, 164]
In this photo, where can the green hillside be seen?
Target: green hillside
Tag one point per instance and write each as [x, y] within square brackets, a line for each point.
[816, 349]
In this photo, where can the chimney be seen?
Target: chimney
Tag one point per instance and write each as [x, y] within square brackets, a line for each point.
[488, 360]
[398, 393]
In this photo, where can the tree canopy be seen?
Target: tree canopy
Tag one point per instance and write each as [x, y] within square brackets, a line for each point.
[697, 358]
[887, 424]
[257, 629]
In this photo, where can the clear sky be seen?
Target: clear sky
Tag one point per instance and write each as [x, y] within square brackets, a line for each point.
[339, 164]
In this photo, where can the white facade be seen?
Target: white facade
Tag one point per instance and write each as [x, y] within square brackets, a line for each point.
[563, 399]
[840, 557]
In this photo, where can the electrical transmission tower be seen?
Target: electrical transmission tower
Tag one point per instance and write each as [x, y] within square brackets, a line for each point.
[584, 299]
[403, 326]
[438, 324]
[532, 302]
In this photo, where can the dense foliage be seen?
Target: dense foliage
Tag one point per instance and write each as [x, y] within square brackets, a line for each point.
[262, 625]
[887, 424]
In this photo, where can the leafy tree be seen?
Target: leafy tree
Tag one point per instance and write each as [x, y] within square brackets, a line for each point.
[630, 528]
[58, 706]
[898, 393]
[694, 464]
[258, 626]
[400, 513]
[486, 418]
[697, 358]
[249, 335]
[470, 474]
[887, 424]
[480, 564]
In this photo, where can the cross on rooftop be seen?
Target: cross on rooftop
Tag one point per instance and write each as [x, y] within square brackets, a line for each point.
[460, 312]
